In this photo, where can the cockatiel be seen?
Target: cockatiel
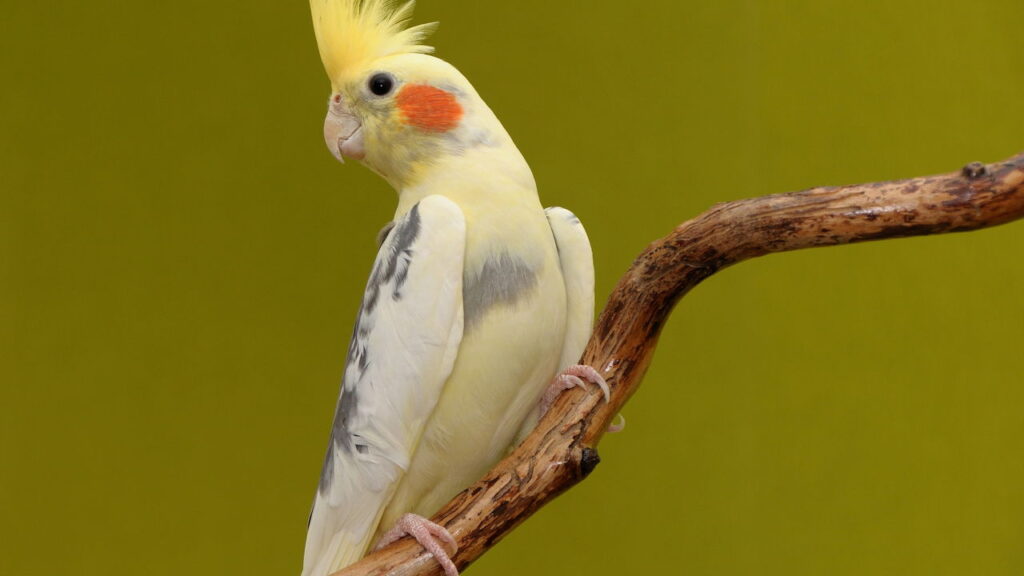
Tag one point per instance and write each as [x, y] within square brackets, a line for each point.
[478, 297]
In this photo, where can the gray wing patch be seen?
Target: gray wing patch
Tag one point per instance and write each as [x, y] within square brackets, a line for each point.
[390, 271]
[393, 260]
[503, 280]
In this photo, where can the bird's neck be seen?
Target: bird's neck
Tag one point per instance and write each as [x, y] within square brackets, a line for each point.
[481, 179]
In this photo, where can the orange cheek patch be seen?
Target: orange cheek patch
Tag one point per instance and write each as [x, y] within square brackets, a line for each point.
[429, 108]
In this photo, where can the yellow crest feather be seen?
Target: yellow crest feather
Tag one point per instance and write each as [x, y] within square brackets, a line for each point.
[352, 33]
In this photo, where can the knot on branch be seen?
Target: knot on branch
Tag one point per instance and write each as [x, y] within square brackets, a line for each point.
[974, 170]
[589, 461]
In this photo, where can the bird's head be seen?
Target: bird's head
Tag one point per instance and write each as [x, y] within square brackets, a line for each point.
[394, 107]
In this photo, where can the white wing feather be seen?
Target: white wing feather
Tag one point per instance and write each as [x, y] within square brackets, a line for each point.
[577, 262]
[403, 348]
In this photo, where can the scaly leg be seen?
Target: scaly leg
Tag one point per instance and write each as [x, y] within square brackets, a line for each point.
[427, 534]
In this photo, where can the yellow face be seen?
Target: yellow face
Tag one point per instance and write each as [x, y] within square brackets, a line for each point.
[402, 113]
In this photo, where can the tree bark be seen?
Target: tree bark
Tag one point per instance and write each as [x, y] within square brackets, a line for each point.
[562, 450]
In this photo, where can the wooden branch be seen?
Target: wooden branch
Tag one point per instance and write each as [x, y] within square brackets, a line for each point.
[562, 450]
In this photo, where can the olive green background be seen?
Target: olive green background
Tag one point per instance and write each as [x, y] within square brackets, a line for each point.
[181, 260]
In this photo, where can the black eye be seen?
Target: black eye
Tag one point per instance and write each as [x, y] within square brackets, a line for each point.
[381, 84]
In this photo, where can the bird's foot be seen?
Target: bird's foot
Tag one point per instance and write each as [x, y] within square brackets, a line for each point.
[429, 535]
[572, 377]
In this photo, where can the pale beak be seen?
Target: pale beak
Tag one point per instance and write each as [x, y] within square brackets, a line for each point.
[343, 131]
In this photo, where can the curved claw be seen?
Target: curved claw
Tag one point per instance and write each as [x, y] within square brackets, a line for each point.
[590, 375]
[617, 427]
[572, 377]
